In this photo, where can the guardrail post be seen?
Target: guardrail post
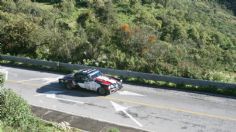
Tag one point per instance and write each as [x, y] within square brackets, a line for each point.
[58, 65]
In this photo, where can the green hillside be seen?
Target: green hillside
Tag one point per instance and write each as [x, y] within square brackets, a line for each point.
[187, 38]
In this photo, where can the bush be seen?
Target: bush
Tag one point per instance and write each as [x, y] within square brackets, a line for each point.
[183, 38]
[14, 111]
[16, 115]
[219, 76]
[113, 130]
[2, 80]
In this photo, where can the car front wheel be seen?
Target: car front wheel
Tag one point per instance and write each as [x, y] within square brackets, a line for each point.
[102, 91]
[69, 85]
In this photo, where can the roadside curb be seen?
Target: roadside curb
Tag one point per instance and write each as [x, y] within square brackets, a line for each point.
[80, 122]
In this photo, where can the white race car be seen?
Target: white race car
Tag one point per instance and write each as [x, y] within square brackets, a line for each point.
[92, 79]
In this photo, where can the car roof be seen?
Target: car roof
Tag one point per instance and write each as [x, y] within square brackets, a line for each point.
[87, 71]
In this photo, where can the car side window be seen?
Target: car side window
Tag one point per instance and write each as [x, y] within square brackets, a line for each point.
[78, 78]
[86, 79]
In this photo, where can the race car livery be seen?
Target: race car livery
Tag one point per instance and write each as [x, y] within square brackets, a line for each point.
[92, 79]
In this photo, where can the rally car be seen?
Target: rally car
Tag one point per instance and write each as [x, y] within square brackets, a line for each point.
[92, 79]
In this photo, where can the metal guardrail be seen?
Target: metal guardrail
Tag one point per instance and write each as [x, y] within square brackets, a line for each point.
[124, 73]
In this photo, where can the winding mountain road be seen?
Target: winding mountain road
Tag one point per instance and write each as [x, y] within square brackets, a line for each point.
[146, 108]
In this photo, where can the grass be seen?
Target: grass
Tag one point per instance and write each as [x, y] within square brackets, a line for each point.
[42, 126]
[16, 116]
[137, 81]
[113, 130]
[44, 6]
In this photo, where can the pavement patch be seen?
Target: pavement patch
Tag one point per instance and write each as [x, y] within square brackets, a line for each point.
[80, 122]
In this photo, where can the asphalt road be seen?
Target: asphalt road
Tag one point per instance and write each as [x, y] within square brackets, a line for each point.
[146, 108]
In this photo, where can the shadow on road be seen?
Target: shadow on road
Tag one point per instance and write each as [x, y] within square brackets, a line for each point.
[59, 87]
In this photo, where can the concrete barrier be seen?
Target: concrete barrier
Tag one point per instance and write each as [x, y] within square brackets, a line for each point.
[124, 73]
[30, 61]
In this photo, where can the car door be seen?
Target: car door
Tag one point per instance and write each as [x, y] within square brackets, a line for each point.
[87, 83]
[92, 85]
[79, 79]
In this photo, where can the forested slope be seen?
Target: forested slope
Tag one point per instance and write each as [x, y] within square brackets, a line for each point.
[189, 38]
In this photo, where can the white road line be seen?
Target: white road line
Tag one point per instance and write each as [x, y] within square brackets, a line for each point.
[132, 118]
[45, 80]
[73, 101]
[52, 95]
[129, 93]
[32, 79]
[123, 109]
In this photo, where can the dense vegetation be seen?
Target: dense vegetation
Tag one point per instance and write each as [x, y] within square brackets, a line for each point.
[186, 38]
[16, 116]
[2, 80]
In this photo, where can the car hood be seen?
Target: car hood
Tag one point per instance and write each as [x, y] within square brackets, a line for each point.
[69, 76]
[105, 80]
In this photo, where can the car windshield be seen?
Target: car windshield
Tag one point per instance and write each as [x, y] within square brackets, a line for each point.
[95, 74]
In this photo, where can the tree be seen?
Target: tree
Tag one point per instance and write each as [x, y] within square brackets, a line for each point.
[15, 38]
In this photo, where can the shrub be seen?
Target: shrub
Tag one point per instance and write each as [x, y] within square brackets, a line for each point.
[66, 7]
[182, 38]
[14, 111]
[219, 76]
[1, 80]
[16, 37]
[113, 130]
